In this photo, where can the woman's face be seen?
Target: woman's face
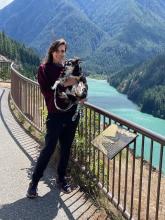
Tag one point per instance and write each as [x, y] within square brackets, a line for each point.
[59, 56]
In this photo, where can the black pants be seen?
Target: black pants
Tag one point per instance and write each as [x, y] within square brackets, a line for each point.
[58, 126]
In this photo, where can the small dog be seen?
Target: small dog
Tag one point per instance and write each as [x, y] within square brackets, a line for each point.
[74, 93]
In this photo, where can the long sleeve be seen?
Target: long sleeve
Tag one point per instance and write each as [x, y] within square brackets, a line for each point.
[43, 80]
[46, 76]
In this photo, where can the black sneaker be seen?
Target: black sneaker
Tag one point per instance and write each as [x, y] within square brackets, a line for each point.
[32, 190]
[64, 185]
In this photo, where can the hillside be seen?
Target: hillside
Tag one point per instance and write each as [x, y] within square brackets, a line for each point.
[51, 19]
[108, 34]
[144, 84]
[136, 29]
[27, 58]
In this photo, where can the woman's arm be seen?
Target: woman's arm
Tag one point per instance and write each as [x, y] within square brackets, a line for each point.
[43, 80]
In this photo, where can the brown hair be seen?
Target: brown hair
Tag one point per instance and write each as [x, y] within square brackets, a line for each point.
[54, 47]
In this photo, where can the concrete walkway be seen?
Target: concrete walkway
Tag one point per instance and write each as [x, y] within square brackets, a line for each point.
[18, 154]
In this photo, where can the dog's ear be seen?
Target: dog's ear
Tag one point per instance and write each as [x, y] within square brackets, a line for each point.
[76, 60]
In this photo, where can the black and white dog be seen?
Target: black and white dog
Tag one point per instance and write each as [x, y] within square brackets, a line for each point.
[64, 99]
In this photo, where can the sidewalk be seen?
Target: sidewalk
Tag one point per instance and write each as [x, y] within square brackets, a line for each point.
[18, 155]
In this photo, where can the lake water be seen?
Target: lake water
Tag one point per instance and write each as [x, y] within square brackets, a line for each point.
[105, 96]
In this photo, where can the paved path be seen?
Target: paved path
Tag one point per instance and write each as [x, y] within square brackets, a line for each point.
[18, 154]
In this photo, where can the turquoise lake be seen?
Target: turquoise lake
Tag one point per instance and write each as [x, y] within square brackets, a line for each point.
[108, 98]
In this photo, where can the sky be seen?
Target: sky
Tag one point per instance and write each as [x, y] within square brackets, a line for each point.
[3, 3]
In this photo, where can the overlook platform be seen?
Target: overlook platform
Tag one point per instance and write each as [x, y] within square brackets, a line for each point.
[17, 159]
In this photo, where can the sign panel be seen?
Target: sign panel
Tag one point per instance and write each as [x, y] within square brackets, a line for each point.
[113, 139]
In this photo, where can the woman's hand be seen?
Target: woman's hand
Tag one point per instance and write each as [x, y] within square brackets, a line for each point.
[71, 80]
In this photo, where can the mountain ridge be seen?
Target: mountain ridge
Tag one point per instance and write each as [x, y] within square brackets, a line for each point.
[108, 35]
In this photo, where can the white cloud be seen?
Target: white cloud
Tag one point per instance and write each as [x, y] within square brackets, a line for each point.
[3, 3]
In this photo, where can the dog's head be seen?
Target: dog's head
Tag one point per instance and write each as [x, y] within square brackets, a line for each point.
[72, 67]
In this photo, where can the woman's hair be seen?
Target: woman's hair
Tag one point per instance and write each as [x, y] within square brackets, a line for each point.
[54, 47]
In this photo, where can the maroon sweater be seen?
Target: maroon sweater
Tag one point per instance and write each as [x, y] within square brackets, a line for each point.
[47, 75]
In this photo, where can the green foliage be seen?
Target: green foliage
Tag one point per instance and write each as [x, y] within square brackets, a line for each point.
[43, 113]
[21, 118]
[154, 101]
[31, 129]
[89, 127]
[27, 58]
[144, 84]
[5, 71]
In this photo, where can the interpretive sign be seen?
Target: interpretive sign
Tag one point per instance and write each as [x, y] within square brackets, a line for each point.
[113, 139]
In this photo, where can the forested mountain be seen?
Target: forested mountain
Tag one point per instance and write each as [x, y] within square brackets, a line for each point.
[48, 20]
[136, 28]
[27, 58]
[109, 34]
[144, 84]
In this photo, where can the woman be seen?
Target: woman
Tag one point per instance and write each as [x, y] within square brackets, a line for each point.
[59, 125]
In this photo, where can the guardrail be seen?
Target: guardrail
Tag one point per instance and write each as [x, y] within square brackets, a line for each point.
[133, 180]
[27, 98]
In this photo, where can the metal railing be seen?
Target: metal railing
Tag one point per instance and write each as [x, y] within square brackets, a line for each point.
[28, 99]
[133, 180]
